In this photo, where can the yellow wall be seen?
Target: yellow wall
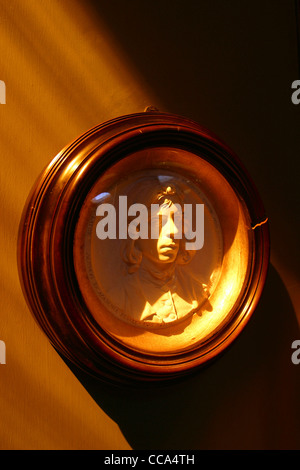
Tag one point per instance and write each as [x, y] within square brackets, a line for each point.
[70, 65]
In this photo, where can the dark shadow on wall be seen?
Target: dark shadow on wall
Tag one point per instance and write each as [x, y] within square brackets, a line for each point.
[213, 61]
[246, 399]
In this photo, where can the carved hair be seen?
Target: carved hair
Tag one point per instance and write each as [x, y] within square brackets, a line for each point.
[151, 190]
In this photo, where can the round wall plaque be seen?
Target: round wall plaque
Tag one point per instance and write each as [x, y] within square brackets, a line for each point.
[143, 248]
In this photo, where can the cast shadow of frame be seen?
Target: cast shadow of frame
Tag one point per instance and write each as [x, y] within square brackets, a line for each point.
[248, 398]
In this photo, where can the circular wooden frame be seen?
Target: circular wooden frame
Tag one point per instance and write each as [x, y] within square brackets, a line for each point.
[49, 227]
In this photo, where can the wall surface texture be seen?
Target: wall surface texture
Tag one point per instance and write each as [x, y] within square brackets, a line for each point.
[69, 65]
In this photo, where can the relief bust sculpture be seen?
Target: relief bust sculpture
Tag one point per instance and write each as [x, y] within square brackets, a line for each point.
[155, 285]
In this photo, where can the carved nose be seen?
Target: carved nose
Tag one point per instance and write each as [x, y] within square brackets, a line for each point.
[171, 228]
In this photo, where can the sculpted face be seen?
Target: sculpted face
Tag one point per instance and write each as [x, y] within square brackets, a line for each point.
[164, 249]
[148, 278]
